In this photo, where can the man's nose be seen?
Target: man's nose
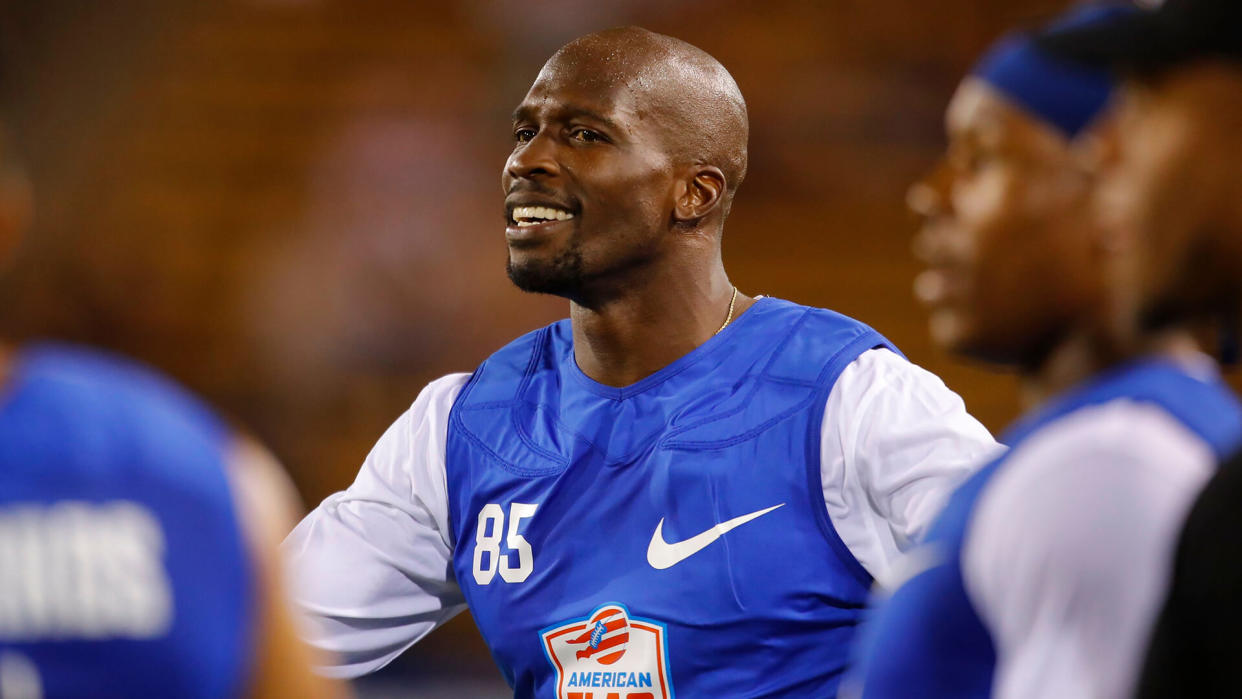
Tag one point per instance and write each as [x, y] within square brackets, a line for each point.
[929, 197]
[533, 159]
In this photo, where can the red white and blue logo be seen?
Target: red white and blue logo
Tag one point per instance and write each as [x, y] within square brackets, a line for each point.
[609, 655]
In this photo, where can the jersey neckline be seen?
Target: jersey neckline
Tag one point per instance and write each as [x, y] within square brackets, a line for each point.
[1069, 400]
[678, 365]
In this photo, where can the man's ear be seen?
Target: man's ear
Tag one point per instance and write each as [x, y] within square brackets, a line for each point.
[700, 194]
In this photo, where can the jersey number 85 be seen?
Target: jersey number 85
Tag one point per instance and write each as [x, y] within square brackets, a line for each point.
[487, 555]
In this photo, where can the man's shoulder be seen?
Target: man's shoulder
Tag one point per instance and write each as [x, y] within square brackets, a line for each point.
[819, 336]
[1068, 503]
[815, 321]
[1124, 430]
[811, 323]
[815, 317]
[1121, 449]
[1199, 401]
[498, 376]
[89, 378]
[104, 406]
[517, 352]
[445, 387]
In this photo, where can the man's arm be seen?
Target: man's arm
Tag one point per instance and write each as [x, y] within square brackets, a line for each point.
[895, 443]
[372, 565]
[1070, 547]
[267, 508]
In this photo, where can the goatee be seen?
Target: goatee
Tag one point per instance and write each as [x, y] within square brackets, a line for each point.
[562, 276]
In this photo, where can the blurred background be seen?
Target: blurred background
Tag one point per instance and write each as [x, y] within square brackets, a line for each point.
[294, 207]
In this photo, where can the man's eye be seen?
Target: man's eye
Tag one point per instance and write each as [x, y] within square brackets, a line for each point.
[523, 135]
[585, 136]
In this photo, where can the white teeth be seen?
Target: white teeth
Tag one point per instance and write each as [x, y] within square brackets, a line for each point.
[531, 215]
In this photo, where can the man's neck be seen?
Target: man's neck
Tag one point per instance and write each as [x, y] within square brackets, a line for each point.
[1070, 362]
[1083, 355]
[1179, 346]
[652, 323]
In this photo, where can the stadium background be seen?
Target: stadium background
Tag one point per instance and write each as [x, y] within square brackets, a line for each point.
[294, 206]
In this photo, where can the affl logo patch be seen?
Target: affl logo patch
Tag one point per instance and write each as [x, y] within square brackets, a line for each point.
[609, 655]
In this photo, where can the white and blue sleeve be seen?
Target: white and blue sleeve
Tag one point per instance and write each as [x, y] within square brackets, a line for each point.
[895, 443]
[371, 567]
[1068, 552]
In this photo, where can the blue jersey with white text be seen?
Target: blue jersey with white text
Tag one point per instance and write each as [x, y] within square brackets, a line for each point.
[927, 639]
[122, 568]
[665, 538]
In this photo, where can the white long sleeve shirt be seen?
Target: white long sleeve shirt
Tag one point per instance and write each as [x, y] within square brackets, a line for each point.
[1071, 544]
[373, 563]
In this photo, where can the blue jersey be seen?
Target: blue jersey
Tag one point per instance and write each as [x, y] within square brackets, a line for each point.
[669, 537]
[122, 568]
[928, 639]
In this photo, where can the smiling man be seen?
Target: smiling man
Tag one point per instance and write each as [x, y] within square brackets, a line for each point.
[678, 489]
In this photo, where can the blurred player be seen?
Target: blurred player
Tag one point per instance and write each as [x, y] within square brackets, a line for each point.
[138, 534]
[1044, 573]
[1171, 179]
[680, 488]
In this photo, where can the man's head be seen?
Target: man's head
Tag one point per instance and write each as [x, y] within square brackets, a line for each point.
[628, 145]
[1012, 265]
[1170, 181]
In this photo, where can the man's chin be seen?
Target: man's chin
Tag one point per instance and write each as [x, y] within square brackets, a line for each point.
[961, 335]
[949, 329]
[559, 277]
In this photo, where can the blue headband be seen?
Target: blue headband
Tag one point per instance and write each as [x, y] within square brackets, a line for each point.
[1062, 94]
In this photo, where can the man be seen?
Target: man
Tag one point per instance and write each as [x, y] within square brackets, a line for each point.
[679, 489]
[1171, 180]
[139, 535]
[1044, 573]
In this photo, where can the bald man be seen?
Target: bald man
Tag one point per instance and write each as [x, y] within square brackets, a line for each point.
[680, 488]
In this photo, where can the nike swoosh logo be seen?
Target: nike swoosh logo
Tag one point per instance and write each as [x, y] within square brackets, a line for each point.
[661, 554]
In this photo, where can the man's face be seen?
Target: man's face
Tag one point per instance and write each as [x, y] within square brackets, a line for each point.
[1005, 233]
[589, 185]
[1172, 189]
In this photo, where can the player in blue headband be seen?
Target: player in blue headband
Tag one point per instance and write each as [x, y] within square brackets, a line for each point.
[1010, 185]
[1044, 572]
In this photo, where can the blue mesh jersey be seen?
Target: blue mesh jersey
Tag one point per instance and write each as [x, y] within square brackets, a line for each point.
[122, 568]
[665, 538]
[927, 639]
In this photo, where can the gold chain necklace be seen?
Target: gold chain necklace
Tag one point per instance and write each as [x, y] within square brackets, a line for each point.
[729, 318]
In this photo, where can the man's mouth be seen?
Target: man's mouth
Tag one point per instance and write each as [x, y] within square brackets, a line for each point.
[931, 287]
[525, 216]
